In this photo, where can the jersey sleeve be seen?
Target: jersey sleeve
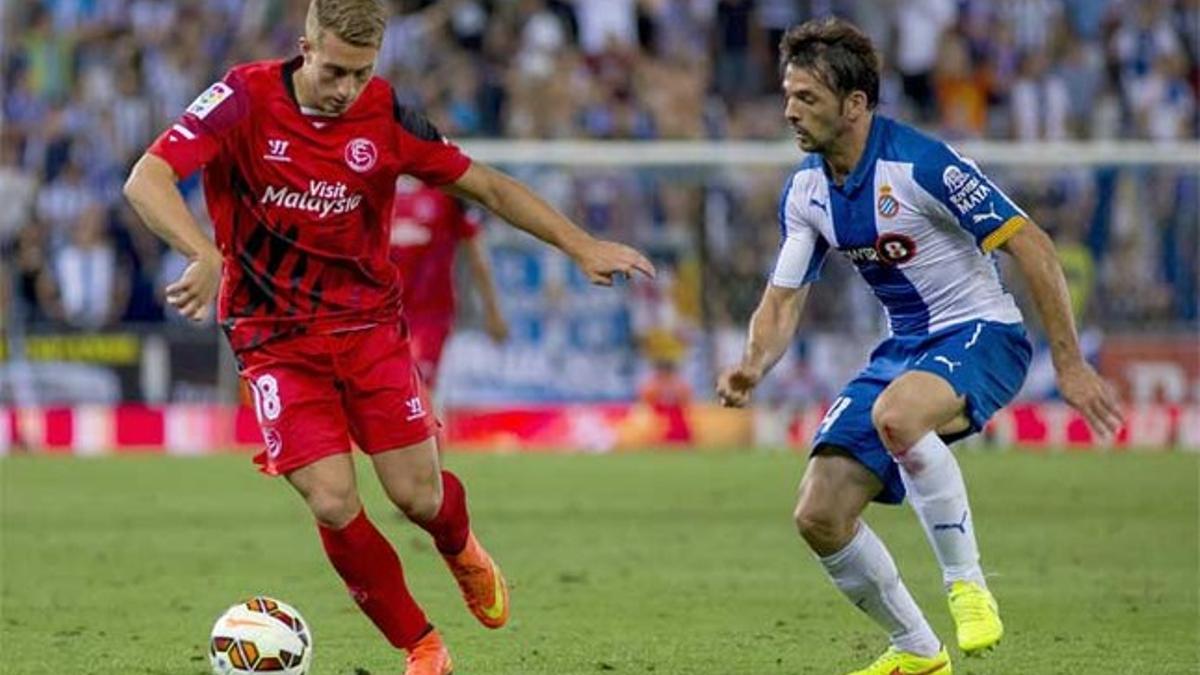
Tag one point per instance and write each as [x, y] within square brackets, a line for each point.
[200, 133]
[424, 152]
[971, 198]
[802, 249]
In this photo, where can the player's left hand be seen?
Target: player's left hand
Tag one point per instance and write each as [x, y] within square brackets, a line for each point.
[192, 294]
[603, 260]
[1088, 393]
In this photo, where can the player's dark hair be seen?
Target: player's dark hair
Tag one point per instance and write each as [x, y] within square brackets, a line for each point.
[356, 22]
[837, 52]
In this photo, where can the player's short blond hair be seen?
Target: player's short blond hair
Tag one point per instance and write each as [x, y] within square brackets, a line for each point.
[357, 22]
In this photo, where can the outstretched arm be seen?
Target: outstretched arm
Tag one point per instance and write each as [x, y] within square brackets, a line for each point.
[1080, 385]
[152, 191]
[772, 327]
[481, 274]
[514, 202]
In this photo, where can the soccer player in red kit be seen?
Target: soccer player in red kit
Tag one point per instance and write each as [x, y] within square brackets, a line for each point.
[300, 163]
[428, 226]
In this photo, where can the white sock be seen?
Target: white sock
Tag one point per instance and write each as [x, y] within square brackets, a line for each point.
[865, 572]
[937, 493]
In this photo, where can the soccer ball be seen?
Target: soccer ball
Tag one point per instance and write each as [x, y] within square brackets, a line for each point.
[261, 635]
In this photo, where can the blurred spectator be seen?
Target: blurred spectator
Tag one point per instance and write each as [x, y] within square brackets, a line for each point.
[18, 189]
[1086, 17]
[1034, 22]
[1039, 101]
[961, 92]
[776, 16]
[131, 116]
[606, 26]
[920, 25]
[664, 387]
[30, 277]
[88, 283]
[734, 49]
[680, 29]
[468, 23]
[1081, 72]
[61, 202]
[542, 37]
[47, 54]
[1164, 105]
[668, 396]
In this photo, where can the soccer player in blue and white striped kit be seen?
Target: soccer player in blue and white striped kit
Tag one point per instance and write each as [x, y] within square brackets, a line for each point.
[921, 224]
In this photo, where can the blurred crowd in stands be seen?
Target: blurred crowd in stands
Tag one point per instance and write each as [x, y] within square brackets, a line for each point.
[89, 83]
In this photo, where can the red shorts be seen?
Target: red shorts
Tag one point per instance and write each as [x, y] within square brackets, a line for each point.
[313, 393]
[428, 338]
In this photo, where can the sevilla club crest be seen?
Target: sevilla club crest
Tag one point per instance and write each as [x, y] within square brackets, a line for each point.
[361, 154]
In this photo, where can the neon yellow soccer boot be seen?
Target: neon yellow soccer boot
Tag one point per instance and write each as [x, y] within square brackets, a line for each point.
[896, 662]
[976, 617]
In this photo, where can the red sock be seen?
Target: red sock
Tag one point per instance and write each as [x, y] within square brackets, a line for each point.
[451, 525]
[373, 575]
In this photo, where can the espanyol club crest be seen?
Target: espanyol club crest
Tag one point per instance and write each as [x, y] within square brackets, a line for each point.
[887, 204]
[361, 154]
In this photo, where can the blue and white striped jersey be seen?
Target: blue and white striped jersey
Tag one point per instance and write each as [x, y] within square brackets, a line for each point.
[919, 222]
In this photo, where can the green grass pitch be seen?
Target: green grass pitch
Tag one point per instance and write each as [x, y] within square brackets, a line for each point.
[657, 563]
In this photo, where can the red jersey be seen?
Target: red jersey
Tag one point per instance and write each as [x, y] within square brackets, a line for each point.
[301, 203]
[427, 226]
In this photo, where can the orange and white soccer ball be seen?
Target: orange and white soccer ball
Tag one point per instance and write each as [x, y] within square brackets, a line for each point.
[261, 635]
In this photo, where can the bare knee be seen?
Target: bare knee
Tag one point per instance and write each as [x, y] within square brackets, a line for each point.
[897, 428]
[824, 529]
[334, 507]
[419, 500]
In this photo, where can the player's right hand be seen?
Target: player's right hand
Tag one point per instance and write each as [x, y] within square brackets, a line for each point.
[735, 385]
[192, 294]
[602, 260]
[1084, 389]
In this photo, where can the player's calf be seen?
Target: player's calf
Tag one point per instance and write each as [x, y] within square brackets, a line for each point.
[833, 493]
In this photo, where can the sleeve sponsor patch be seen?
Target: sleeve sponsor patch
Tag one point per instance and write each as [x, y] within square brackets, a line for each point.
[210, 99]
[965, 189]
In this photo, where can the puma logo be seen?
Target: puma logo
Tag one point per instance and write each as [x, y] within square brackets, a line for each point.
[950, 365]
[961, 525]
[982, 217]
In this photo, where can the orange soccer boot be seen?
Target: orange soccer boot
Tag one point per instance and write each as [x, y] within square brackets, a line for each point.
[429, 657]
[482, 584]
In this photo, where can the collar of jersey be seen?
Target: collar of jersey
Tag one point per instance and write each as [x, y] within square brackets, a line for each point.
[870, 154]
[288, 69]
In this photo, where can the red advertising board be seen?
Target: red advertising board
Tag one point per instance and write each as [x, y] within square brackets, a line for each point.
[1153, 368]
[204, 429]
